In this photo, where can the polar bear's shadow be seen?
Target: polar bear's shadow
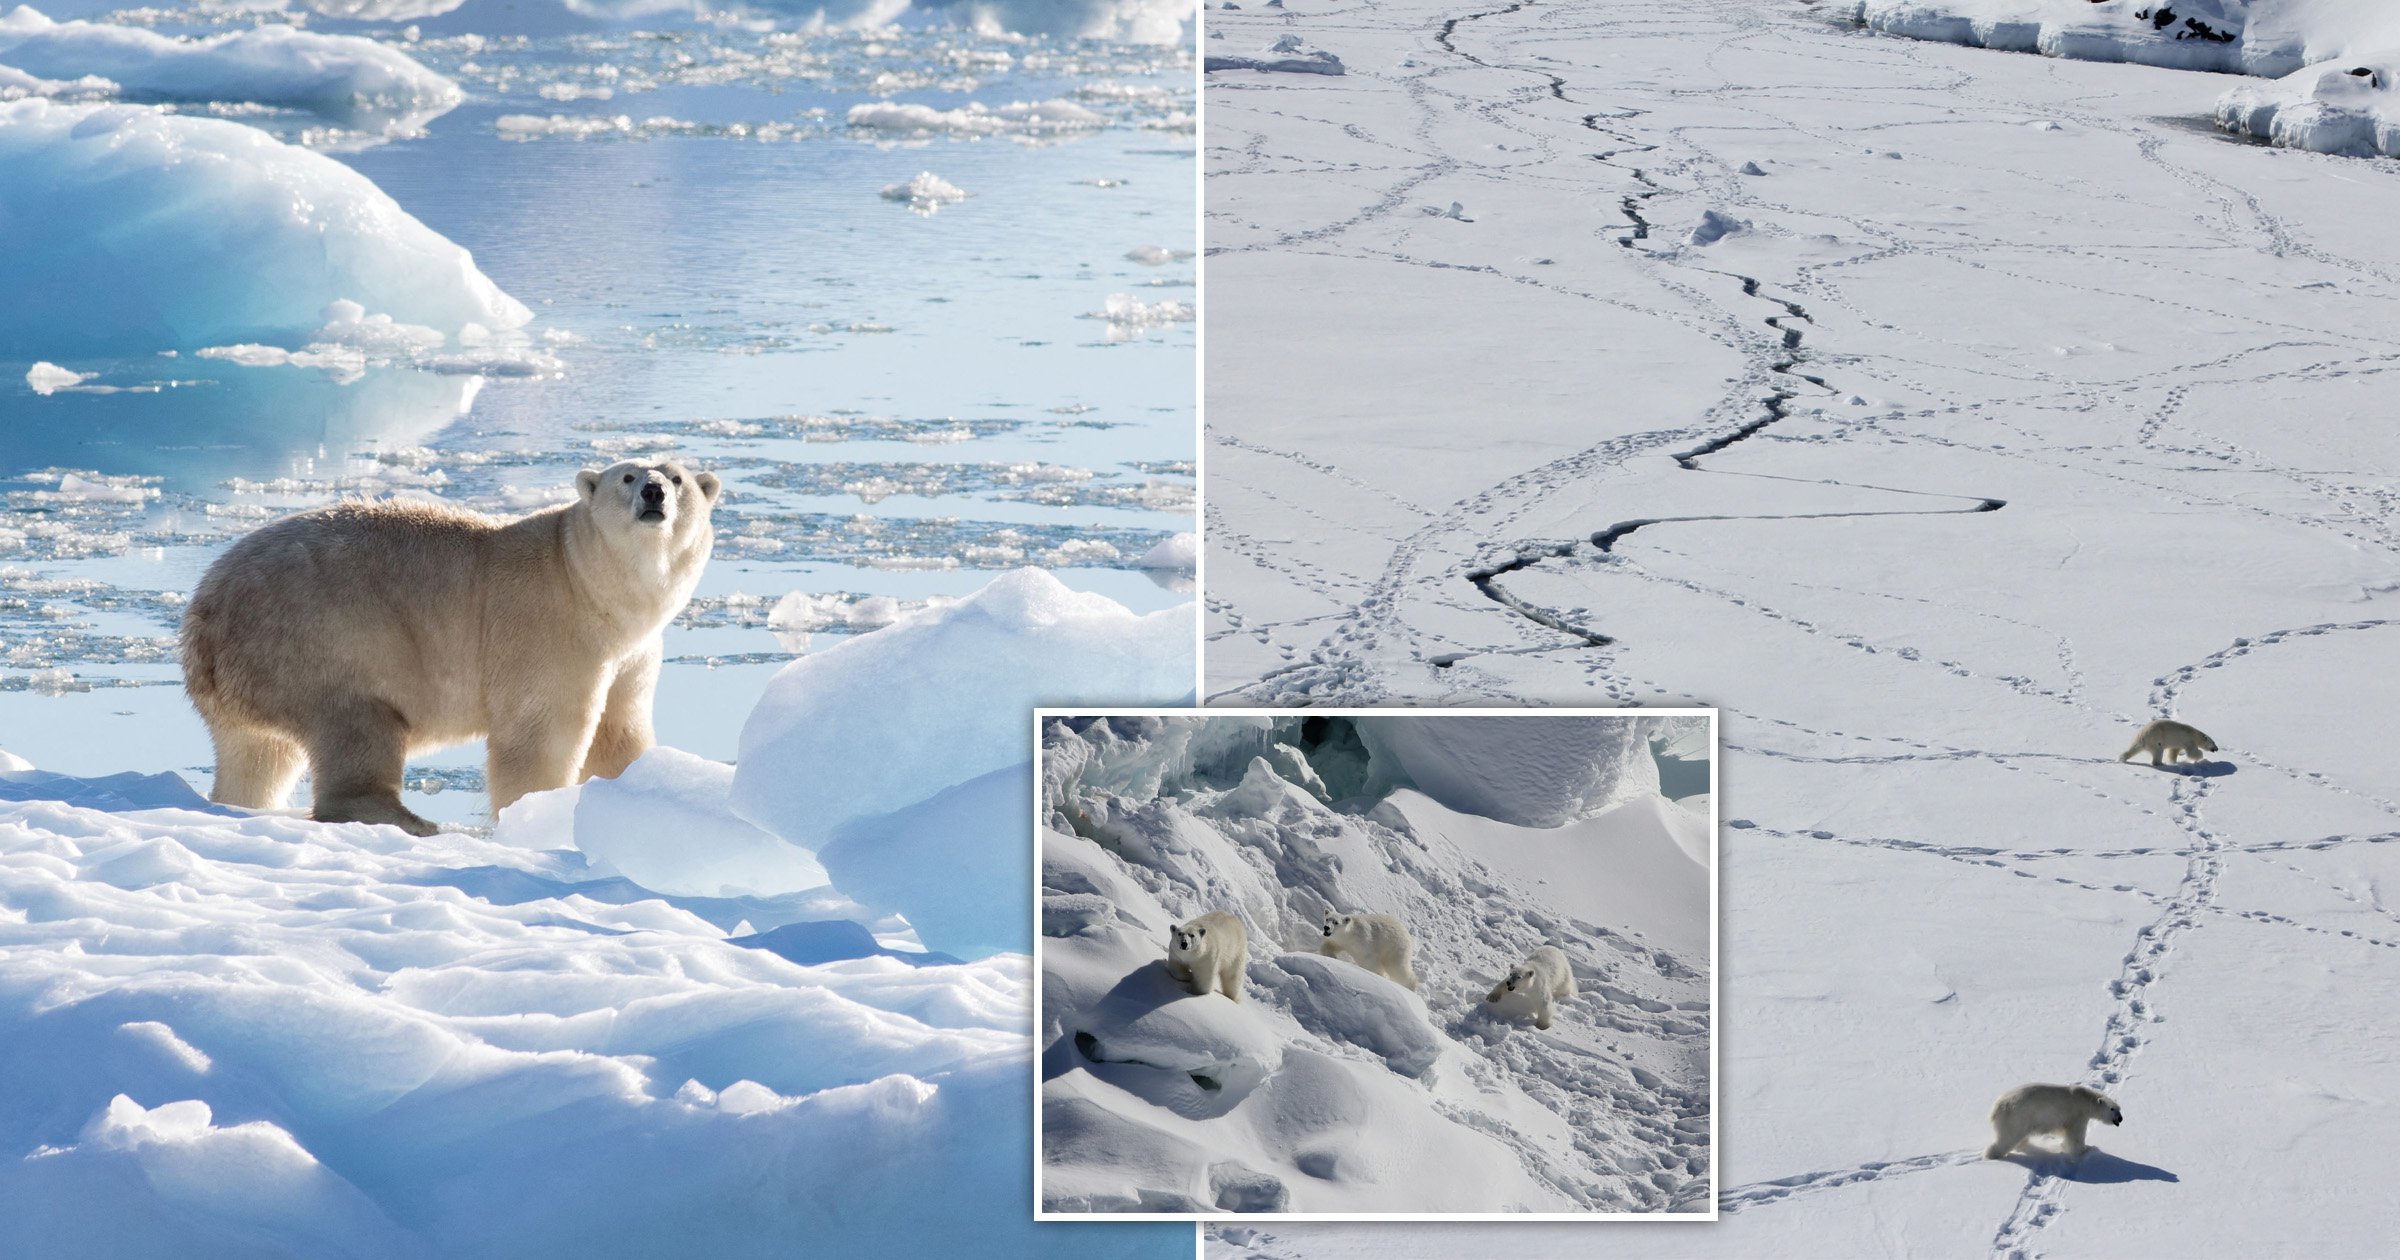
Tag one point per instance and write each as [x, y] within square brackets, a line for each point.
[2198, 769]
[2096, 1168]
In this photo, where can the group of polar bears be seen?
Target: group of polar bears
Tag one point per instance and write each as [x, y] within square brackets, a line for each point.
[1209, 954]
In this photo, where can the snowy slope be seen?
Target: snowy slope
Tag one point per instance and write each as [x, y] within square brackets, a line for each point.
[1325, 1090]
[243, 1036]
[2028, 407]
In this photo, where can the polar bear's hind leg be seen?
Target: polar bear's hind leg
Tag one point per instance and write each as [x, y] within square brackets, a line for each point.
[256, 768]
[358, 751]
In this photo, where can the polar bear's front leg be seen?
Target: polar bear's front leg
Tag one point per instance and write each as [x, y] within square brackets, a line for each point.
[1542, 1013]
[2075, 1145]
[535, 746]
[1229, 981]
[625, 731]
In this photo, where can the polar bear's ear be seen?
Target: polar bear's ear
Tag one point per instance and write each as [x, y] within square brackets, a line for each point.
[588, 482]
[709, 485]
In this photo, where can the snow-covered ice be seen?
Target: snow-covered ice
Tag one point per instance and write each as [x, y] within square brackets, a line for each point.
[137, 230]
[1330, 1088]
[2348, 107]
[925, 192]
[852, 732]
[1942, 479]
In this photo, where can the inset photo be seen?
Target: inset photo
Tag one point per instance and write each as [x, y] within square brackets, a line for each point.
[1367, 964]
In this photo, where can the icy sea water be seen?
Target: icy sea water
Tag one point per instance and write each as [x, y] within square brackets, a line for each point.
[901, 404]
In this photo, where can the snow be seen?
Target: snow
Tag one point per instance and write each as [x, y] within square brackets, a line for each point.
[2237, 36]
[235, 1035]
[1531, 774]
[116, 206]
[873, 725]
[1940, 481]
[2348, 107]
[1288, 55]
[340, 76]
[1324, 1088]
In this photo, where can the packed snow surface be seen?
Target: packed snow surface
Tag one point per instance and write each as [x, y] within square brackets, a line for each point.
[138, 230]
[629, 1024]
[1330, 1088]
[2030, 408]
[2347, 106]
[336, 75]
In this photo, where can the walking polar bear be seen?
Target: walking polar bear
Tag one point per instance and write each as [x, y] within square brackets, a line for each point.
[2061, 1109]
[1377, 942]
[1544, 977]
[2172, 740]
[352, 636]
[1209, 954]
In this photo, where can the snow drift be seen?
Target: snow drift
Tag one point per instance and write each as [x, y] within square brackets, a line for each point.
[2349, 107]
[2236, 36]
[136, 230]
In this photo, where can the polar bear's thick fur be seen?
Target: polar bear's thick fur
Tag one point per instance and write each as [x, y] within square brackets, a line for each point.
[1209, 954]
[352, 636]
[2172, 740]
[2061, 1109]
[1377, 942]
[1544, 977]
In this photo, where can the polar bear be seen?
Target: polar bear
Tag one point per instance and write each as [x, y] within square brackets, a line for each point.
[2061, 1109]
[1209, 954]
[2172, 739]
[1377, 942]
[1544, 977]
[354, 635]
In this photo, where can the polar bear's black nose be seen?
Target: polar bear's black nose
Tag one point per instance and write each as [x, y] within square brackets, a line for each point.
[654, 493]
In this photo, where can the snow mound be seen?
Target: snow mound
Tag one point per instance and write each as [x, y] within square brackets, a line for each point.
[2234, 36]
[1531, 774]
[2348, 107]
[872, 725]
[1288, 55]
[16, 85]
[136, 230]
[664, 824]
[953, 866]
[340, 76]
[1714, 226]
[1343, 1002]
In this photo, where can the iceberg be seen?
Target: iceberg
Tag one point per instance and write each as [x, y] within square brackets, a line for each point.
[343, 77]
[135, 230]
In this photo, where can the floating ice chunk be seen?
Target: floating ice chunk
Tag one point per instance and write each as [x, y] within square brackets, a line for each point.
[926, 193]
[1129, 316]
[49, 378]
[340, 76]
[10, 763]
[1714, 226]
[2347, 106]
[137, 230]
[976, 119]
[16, 85]
[1178, 551]
[873, 724]
[1119, 21]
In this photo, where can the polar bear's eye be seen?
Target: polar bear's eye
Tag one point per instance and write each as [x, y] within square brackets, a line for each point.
[678, 481]
[629, 479]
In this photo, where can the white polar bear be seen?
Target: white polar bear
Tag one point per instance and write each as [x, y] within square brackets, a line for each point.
[1209, 954]
[2061, 1109]
[354, 635]
[1544, 977]
[1377, 942]
[2171, 740]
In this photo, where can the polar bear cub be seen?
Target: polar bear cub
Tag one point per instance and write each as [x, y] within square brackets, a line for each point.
[2061, 1109]
[1544, 977]
[2171, 739]
[1209, 954]
[354, 635]
[1377, 942]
